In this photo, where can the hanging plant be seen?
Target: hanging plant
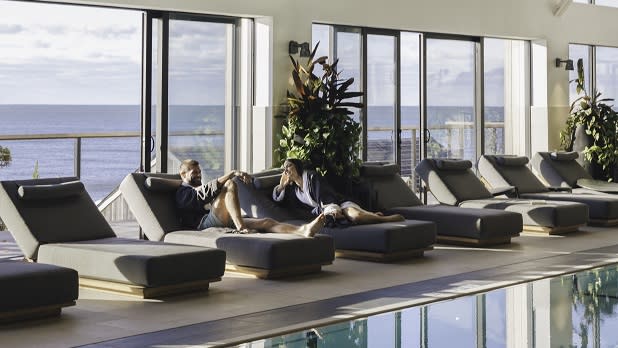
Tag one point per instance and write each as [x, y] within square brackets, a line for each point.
[319, 128]
[599, 121]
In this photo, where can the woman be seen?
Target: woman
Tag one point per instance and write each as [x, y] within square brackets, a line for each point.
[307, 188]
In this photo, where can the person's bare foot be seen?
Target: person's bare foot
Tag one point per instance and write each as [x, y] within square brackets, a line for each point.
[394, 218]
[310, 229]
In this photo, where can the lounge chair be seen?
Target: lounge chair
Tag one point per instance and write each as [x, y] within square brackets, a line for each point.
[452, 182]
[513, 170]
[151, 198]
[389, 194]
[55, 221]
[382, 242]
[35, 290]
[561, 169]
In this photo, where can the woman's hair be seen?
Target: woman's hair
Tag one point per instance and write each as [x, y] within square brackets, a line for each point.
[298, 164]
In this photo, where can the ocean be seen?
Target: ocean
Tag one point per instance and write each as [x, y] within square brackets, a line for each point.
[106, 161]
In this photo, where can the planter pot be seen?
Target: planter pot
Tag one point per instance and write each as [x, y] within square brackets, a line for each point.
[581, 141]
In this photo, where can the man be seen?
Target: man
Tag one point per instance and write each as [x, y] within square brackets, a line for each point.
[221, 193]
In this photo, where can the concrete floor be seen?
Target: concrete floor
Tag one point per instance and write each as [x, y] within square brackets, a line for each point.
[240, 308]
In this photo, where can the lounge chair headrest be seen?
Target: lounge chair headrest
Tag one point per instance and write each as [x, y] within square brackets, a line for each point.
[564, 156]
[162, 185]
[51, 191]
[266, 182]
[512, 161]
[453, 164]
[384, 169]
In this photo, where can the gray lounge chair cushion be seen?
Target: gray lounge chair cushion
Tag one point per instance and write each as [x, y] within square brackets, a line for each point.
[500, 171]
[67, 218]
[29, 285]
[51, 191]
[387, 189]
[261, 250]
[537, 212]
[451, 186]
[386, 237]
[465, 222]
[134, 261]
[559, 168]
[156, 213]
[600, 207]
[598, 185]
[162, 185]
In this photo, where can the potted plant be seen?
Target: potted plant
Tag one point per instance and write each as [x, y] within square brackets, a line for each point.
[5, 160]
[319, 128]
[591, 128]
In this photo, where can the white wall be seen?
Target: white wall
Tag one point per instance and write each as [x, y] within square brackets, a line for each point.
[525, 19]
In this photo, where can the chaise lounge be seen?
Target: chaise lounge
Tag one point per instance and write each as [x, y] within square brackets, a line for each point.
[389, 194]
[151, 198]
[513, 170]
[33, 290]
[452, 182]
[55, 221]
[382, 242]
[561, 169]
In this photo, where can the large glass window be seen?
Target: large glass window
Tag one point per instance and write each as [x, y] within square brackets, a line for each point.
[199, 80]
[70, 75]
[607, 71]
[577, 52]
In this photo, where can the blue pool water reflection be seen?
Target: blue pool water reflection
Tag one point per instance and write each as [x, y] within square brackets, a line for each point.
[574, 310]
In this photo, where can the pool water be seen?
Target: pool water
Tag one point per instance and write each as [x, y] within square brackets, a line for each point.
[573, 310]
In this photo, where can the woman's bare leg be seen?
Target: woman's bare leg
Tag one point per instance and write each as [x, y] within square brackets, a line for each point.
[270, 225]
[361, 216]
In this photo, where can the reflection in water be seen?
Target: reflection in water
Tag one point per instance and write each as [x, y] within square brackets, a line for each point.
[575, 310]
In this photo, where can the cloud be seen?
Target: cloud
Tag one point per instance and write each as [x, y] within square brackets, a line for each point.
[11, 28]
[112, 32]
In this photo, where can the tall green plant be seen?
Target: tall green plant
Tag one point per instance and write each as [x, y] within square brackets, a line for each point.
[5, 156]
[599, 121]
[319, 128]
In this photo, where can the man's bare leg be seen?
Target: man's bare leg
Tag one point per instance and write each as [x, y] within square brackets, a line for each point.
[270, 225]
[227, 207]
[361, 216]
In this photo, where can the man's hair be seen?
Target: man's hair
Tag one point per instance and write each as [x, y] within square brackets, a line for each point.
[187, 164]
[297, 163]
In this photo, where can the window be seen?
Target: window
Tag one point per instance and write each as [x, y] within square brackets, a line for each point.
[600, 70]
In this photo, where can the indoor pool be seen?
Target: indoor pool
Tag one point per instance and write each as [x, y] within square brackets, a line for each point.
[574, 310]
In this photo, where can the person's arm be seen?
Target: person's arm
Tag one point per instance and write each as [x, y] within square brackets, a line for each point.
[279, 190]
[246, 178]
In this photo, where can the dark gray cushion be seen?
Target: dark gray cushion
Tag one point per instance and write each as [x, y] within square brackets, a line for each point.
[51, 191]
[465, 222]
[558, 170]
[599, 207]
[452, 186]
[537, 212]
[564, 156]
[385, 237]
[386, 188]
[512, 161]
[277, 250]
[154, 209]
[516, 173]
[162, 185]
[136, 261]
[29, 285]
[266, 182]
[258, 203]
[374, 169]
[41, 221]
[453, 164]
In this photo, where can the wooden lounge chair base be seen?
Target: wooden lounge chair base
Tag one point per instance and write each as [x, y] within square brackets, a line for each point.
[145, 292]
[33, 313]
[262, 273]
[603, 223]
[465, 241]
[380, 257]
[551, 230]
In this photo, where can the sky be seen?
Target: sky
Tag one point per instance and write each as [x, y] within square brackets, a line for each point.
[60, 54]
